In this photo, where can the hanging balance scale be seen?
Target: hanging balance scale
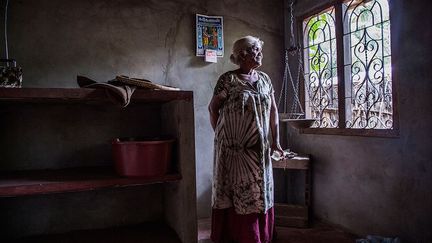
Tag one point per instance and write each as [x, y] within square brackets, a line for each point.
[295, 117]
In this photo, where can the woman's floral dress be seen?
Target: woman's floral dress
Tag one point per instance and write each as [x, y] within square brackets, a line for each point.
[243, 176]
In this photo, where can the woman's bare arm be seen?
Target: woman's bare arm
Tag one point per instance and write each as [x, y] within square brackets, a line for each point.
[214, 107]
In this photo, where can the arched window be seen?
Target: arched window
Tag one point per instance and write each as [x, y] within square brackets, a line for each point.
[320, 70]
[348, 72]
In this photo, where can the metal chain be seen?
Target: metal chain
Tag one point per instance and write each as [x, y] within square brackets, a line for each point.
[284, 87]
[292, 20]
[5, 31]
[296, 104]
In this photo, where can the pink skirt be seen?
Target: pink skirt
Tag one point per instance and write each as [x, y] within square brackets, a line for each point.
[228, 226]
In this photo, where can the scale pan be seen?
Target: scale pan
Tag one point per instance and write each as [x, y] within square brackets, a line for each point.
[299, 123]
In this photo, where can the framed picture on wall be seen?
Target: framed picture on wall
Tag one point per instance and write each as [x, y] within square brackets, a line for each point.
[209, 34]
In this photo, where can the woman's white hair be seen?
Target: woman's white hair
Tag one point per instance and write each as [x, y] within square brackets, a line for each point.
[241, 46]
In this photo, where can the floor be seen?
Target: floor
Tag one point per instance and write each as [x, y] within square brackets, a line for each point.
[318, 233]
[160, 233]
[143, 233]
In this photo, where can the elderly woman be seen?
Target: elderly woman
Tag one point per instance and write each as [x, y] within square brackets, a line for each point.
[242, 113]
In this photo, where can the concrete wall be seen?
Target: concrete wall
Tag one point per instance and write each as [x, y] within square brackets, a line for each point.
[54, 41]
[373, 185]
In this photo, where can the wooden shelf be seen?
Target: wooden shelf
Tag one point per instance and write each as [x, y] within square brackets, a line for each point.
[65, 95]
[23, 183]
[294, 215]
[61, 120]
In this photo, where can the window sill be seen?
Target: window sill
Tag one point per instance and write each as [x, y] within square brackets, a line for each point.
[394, 133]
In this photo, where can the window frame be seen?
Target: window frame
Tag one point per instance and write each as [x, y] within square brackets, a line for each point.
[338, 8]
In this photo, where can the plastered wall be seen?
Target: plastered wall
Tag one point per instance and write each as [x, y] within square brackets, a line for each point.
[54, 41]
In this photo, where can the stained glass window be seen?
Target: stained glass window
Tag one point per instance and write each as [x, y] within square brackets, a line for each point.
[363, 76]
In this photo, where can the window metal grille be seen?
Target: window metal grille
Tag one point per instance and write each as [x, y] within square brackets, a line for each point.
[365, 82]
[368, 63]
[320, 69]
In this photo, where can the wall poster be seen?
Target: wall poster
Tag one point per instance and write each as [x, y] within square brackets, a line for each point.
[209, 34]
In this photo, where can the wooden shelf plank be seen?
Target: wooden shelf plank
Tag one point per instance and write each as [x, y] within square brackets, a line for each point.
[291, 210]
[298, 222]
[61, 95]
[22, 183]
[300, 162]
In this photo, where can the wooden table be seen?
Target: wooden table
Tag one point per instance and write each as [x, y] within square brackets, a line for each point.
[295, 215]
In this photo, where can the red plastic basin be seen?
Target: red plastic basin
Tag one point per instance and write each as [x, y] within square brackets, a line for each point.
[143, 157]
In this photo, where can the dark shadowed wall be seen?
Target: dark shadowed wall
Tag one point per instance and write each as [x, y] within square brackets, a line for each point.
[54, 41]
[383, 186]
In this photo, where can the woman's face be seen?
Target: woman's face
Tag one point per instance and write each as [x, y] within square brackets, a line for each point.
[253, 57]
